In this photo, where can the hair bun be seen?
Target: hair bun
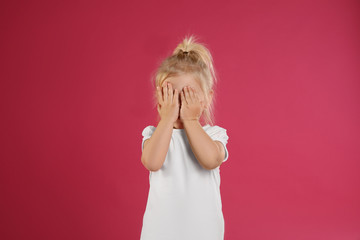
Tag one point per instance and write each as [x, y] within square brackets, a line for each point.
[185, 51]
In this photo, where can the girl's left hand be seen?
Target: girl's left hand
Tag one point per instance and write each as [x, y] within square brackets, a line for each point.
[191, 105]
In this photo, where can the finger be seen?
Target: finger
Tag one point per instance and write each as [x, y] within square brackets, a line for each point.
[204, 104]
[170, 91]
[179, 97]
[159, 95]
[176, 97]
[158, 108]
[187, 95]
[165, 91]
[197, 97]
[201, 102]
[192, 94]
[183, 99]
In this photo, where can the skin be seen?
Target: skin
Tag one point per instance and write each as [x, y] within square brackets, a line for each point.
[180, 105]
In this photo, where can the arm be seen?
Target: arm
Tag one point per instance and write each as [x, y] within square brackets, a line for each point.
[208, 152]
[156, 147]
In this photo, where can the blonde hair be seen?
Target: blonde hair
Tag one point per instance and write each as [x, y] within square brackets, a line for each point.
[194, 58]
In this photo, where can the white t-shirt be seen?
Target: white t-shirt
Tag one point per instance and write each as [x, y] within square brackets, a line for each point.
[184, 201]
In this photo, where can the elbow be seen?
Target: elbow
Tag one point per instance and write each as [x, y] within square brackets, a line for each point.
[148, 166]
[217, 163]
[214, 163]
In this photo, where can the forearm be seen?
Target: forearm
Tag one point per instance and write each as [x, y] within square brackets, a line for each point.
[153, 156]
[204, 148]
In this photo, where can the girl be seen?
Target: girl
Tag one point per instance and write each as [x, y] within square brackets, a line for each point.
[182, 155]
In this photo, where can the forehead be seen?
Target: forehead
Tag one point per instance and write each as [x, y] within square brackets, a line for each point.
[183, 80]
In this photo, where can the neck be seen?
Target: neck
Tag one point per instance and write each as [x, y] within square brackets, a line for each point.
[178, 124]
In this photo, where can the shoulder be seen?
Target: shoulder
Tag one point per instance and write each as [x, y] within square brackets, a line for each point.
[219, 135]
[216, 132]
[148, 130]
[214, 129]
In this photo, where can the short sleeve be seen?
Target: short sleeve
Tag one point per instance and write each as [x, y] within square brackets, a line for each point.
[146, 134]
[219, 134]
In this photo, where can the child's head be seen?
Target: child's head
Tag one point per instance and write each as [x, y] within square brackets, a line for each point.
[190, 64]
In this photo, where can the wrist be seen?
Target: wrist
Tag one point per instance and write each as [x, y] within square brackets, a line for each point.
[166, 123]
[190, 122]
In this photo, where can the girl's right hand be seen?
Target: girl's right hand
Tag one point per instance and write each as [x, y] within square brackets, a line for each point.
[168, 102]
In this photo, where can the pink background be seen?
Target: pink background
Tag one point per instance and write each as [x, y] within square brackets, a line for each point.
[76, 95]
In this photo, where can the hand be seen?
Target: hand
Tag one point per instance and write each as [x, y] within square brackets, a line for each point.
[191, 105]
[168, 102]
